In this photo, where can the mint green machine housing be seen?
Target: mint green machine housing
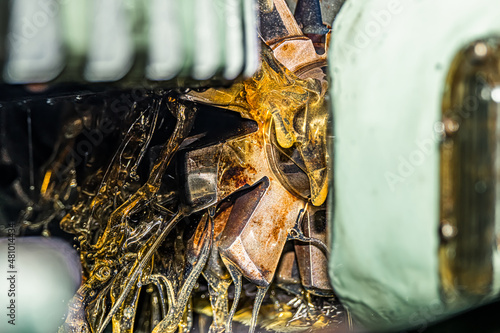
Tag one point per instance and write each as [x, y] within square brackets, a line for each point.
[388, 63]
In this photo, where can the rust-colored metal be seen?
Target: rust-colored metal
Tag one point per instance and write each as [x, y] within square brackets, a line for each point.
[312, 261]
[245, 209]
[300, 120]
[287, 274]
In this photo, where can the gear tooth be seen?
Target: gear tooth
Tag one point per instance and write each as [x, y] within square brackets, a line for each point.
[308, 16]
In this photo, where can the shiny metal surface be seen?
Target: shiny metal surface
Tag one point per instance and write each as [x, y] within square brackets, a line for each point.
[470, 173]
